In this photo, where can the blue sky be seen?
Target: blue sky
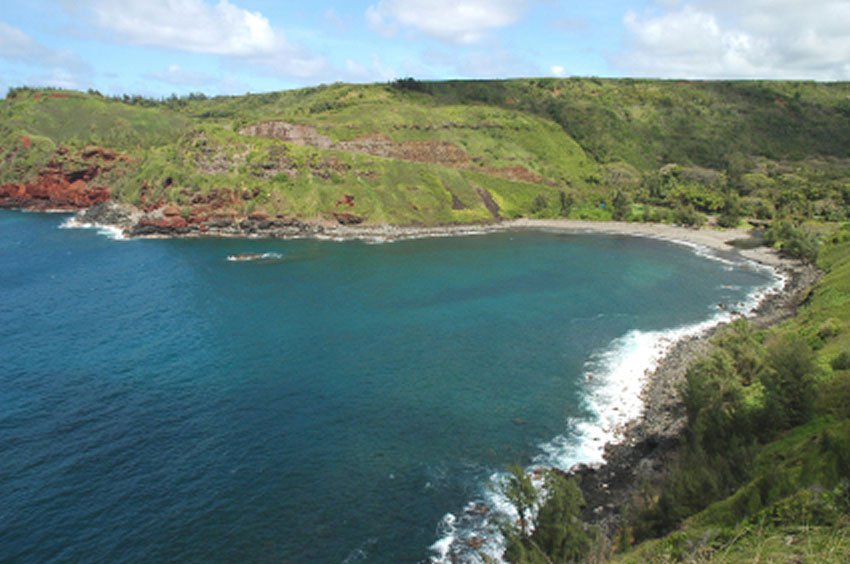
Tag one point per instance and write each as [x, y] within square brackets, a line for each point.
[159, 47]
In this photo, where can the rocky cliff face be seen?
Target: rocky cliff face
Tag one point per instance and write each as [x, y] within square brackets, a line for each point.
[65, 184]
[52, 190]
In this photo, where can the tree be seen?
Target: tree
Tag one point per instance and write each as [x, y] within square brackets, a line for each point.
[732, 212]
[559, 531]
[539, 204]
[567, 203]
[621, 205]
[792, 241]
[521, 493]
[788, 380]
[747, 353]
[687, 215]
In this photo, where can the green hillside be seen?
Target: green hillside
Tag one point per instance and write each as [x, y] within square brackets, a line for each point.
[761, 472]
[423, 153]
[763, 469]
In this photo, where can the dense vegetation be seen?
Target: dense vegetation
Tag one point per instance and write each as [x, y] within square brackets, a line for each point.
[414, 152]
[764, 463]
[763, 468]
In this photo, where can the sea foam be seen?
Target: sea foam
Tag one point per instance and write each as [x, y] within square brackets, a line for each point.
[110, 231]
[615, 377]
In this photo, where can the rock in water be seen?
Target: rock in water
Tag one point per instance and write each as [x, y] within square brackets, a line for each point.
[111, 213]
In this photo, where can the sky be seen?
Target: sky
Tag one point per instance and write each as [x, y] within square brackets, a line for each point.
[159, 47]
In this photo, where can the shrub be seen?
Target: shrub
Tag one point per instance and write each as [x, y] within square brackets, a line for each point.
[559, 531]
[539, 204]
[792, 241]
[621, 205]
[841, 362]
[740, 341]
[834, 395]
[567, 201]
[732, 212]
[687, 215]
[788, 381]
[829, 329]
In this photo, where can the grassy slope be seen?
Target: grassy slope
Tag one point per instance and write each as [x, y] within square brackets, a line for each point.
[786, 144]
[586, 137]
[786, 511]
[165, 144]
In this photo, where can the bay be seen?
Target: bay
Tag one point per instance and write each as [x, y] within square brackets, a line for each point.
[159, 402]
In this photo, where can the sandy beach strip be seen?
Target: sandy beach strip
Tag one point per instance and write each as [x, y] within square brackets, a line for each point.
[709, 237]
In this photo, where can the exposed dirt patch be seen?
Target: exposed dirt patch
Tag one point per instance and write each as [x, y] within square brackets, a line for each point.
[449, 125]
[435, 152]
[489, 202]
[424, 151]
[300, 134]
[66, 183]
[456, 203]
[517, 173]
[346, 200]
[346, 218]
[212, 159]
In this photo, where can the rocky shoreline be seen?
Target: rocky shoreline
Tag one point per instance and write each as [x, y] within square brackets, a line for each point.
[649, 443]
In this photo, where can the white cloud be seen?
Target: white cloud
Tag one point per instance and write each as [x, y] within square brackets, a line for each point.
[17, 45]
[52, 67]
[196, 26]
[458, 21]
[740, 39]
[558, 70]
[187, 25]
[185, 79]
[375, 70]
[178, 76]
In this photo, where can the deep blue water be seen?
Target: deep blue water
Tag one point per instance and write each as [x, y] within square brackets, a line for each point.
[158, 402]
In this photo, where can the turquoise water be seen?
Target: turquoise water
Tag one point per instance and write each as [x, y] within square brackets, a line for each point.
[158, 402]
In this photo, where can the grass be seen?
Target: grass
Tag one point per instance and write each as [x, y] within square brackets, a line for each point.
[781, 146]
[795, 503]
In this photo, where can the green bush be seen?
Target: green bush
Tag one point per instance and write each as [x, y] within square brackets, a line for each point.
[567, 202]
[788, 381]
[829, 329]
[841, 362]
[687, 215]
[621, 205]
[792, 241]
[834, 395]
[539, 204]
[559, 531]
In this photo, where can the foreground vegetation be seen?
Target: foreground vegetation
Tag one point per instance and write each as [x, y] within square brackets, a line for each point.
[427, 153]
[764, 463]
[763, 469]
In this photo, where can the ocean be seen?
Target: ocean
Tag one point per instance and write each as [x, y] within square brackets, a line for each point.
[330, 402]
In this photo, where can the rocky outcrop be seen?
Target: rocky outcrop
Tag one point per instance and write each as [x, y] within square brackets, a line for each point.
[202, 221]
[299, 134]
[110, 213]
[52, 191]
[431, 151]
[347, 218]
[67, 183]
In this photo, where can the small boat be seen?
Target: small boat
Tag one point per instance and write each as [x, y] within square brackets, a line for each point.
[246, 257]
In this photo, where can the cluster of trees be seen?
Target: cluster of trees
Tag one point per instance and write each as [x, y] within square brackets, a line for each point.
[172, 101]
[737, 398]
[559, 534]
[743, 394]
